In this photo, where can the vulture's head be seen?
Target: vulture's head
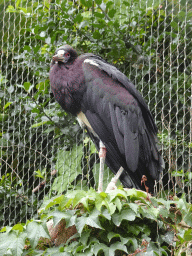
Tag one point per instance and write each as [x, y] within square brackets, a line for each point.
[65, 54]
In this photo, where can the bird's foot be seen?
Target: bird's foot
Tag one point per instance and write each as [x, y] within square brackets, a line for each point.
[111, 186]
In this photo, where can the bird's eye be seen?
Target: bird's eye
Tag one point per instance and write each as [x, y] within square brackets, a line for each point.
[67, 55]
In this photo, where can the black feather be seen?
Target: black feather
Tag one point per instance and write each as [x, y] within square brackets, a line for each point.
[116, 112]
[118, 136]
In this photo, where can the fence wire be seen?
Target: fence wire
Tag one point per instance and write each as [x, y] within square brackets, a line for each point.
[43, 151]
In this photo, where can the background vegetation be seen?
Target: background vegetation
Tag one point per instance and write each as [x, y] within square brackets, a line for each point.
[148, 41]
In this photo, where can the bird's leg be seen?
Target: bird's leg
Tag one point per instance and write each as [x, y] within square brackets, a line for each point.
[102, 156]
[114, 180]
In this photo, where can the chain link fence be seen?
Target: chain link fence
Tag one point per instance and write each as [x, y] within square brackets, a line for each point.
[43, 151]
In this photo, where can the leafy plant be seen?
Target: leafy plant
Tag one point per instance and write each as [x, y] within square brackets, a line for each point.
[118, 223]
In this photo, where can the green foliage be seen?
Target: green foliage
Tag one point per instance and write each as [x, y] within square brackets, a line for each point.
[36, 135]
[69, 167]
[116, 223]
[78, 168]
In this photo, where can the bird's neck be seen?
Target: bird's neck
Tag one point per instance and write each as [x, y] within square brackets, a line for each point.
[68, 86]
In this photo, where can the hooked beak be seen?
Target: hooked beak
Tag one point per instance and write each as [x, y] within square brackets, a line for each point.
[59, 56]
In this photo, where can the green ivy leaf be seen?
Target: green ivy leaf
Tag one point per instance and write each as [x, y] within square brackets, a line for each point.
[106, 214]
[116, 193]
[111, 208]
[118, 203]
[153, 211]
[35, 230]
[58, 216]
[132, 242]
[163, 212]
[90, 221]
[126, 214]
[132, 193]
[85, 202]
[104, 201]
[84, 198]
[117, 246]
[111, 235]
[188, 219]
[109, 251]
[85, 236]
[18, 227]
[51, 202]
[134, 207]
[188, 235]
[69, 167]
[96, 248]
[12, 243]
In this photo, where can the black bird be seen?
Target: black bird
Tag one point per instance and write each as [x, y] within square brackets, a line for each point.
[108, 105]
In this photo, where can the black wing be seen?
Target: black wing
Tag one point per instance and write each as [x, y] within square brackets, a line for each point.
[121, 119]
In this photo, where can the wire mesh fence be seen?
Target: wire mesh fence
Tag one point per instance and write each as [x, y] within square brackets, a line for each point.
[43, 151]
